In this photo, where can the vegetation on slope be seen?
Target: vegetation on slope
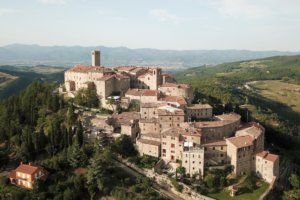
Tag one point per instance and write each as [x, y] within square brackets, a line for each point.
[39, 126]
[229, 87]
[21, 77]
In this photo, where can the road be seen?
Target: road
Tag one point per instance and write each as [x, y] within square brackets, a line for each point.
[155, 186]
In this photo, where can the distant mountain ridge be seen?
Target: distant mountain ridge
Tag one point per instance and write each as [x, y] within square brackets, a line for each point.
[19, 54]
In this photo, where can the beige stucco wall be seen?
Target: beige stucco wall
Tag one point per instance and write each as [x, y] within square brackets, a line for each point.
[193, 162]
[171, 148]
[266, 169]
[148, 149]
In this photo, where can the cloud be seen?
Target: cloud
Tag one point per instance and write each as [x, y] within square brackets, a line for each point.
[241, 8]
[6, 11]
[164, 16]
[54, 2]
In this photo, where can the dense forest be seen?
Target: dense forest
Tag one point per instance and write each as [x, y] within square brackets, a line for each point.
[40, 126]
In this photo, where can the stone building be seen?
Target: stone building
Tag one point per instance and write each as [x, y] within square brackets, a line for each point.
[176, 101]
[169, 116]
[171, 144]
[266, 165]
[148, 147]
[151, 79]
[149, 126]
[240, 151]
[199, 111]
[142, 95]
[256, 131]
[221, 127]
[193, 161]
[178, 90]
[127, 123]
[215, 153]
[149, 110]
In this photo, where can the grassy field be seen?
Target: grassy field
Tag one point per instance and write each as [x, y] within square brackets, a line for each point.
[5, 79]
[279, 91]
[224, 195]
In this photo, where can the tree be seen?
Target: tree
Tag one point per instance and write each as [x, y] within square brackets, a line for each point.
[101, 171]
[87, 97]
[76, 157]
[294, 181]
[124, 146]
[79, 133]
[71, 117]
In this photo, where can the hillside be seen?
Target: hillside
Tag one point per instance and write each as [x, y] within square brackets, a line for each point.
[31, 55]
[265, 90]
[14, 79]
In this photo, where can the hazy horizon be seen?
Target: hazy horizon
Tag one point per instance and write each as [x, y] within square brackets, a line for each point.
[256, 25]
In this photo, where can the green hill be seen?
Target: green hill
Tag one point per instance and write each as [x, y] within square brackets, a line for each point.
[265, 90]
[14, 79]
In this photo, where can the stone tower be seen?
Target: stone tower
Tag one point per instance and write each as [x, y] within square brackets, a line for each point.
[96, 58]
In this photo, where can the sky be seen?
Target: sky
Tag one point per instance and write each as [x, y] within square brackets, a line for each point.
[161, 24]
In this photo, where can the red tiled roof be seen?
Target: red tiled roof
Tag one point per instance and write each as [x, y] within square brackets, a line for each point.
[85, 69]
[142, 92]
[267, 156]
[149, 142]
[214, 143]
[241, 141]
[176, 99]
[150, 93]
[27, 169]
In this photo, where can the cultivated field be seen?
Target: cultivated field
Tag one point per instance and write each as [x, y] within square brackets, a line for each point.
[279, 91]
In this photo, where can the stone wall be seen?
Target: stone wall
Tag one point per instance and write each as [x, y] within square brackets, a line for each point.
[163, 181]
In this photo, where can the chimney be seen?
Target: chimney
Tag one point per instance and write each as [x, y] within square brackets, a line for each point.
[30, 163]
[21, 163]
[96, 58]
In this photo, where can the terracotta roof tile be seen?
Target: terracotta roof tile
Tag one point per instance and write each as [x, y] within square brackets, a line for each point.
[86, 69]
[149, 142]
[241, 141]
[267, 156]
[215, 143]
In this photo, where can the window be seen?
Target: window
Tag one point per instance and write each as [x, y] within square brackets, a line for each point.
[186, 161]
[221, 148]
[213, 148]
[172, 151]
[199, 162]
[170, 118]
[163, 143]
[172, 138]
[164, 150]
[164, 155]
[172, 145]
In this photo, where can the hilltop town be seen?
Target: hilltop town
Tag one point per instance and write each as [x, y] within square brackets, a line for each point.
[168, 125]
